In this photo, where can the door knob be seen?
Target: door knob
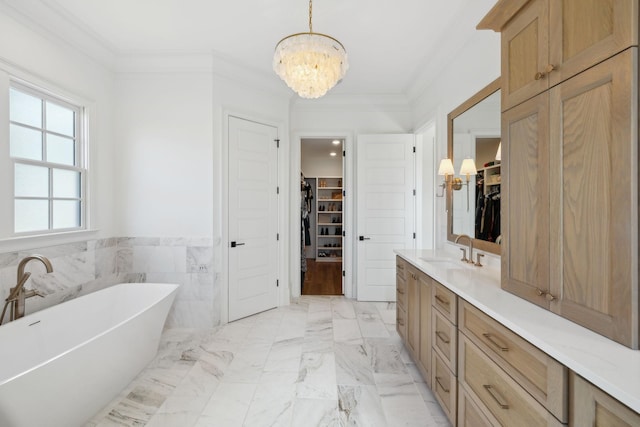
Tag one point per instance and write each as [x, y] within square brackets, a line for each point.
[364, 238]
[234, 244]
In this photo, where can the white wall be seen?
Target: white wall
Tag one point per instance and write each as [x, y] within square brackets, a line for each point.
[472, 68]
[42, 59]
[164, 125]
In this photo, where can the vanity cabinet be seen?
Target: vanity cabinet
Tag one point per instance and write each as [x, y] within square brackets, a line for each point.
[425, 285]
[484, 374]
[542, 377]
[545, 42]
[570, 159]
[590, 406]
[444, 344]
[401, 297]
[496, 393]
[413, 311]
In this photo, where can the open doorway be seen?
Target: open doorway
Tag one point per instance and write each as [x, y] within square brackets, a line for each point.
[323, 216]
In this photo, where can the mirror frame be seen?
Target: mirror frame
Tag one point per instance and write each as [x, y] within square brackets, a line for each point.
[492, 87]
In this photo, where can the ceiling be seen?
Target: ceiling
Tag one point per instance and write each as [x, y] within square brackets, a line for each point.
[389, 43]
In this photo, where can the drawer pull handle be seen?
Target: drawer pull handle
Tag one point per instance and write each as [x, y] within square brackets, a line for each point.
[496, 344]
[496, 396]
[442, 300]
[442, 337]
[446, 390]
[401, 291]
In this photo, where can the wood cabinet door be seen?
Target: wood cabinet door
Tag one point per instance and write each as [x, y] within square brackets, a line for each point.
[413, 312]
[590, 406]
[525, 54]
[583, 33]
[525, 202]
[594, 199]
[424, 358]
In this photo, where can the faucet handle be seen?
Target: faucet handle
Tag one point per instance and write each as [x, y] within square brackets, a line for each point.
[478, 263]
[464, 255]
[33, 293]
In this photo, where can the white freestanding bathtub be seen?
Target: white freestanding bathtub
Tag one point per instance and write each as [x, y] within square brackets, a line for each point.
[61, 365]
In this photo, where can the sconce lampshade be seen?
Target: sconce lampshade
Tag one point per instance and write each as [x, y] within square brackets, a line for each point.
[468, 167]
[446, 167]
[499, 152]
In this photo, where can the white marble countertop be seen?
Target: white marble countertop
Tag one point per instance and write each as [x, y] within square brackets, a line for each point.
[611, 366]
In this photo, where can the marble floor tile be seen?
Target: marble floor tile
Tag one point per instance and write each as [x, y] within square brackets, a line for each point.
[228, 406]
[372, 327]
[353, 365]
[347, 330]
[360, 406]
[315, 413]
[321, 361]
[343, 309]
[317, 377]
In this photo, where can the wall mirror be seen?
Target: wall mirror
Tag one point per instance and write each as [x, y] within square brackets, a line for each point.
[474, 133]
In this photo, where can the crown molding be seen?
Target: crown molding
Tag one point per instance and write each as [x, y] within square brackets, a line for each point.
[53, 22]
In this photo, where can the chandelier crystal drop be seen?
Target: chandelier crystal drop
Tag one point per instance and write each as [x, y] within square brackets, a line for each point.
[310, 63]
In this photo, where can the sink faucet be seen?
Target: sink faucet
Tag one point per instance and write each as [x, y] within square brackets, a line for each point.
[464, 257]
[18, 294]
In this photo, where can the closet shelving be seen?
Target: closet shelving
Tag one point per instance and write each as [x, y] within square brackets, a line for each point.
[329, 219]
[492, 179]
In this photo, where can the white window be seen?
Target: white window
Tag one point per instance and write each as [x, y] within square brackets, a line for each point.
[46, 149]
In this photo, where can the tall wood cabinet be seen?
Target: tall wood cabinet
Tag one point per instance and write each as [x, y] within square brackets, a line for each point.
[570, 159]
[545, 42]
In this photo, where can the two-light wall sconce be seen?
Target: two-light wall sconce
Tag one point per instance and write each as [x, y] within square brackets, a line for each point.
[467, 168]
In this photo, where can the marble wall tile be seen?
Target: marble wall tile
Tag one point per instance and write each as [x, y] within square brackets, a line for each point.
[199, 259]
[160, 259]
[84, 267]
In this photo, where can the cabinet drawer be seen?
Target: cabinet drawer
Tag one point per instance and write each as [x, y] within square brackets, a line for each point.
[469, 414]
[401, 267]
[444, 387]
[590, 406]
[401, 321]
[445, 301]
[497, 392]
[444, 339]
[401, 292]
[543, 377]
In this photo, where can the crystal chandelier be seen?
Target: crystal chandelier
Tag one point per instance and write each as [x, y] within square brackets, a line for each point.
[310, 63]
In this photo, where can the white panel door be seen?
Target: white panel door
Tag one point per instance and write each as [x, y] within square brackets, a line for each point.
[385, 211]
[253, 218]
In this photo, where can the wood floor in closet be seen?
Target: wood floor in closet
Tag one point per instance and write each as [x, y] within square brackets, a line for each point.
[322, 278]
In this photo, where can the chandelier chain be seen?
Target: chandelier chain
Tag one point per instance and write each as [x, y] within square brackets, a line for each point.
[310, 25]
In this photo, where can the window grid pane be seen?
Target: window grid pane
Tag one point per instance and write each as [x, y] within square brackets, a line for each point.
[25, 142]
[49, 183]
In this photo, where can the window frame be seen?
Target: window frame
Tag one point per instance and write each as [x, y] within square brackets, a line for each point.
[81, 162]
